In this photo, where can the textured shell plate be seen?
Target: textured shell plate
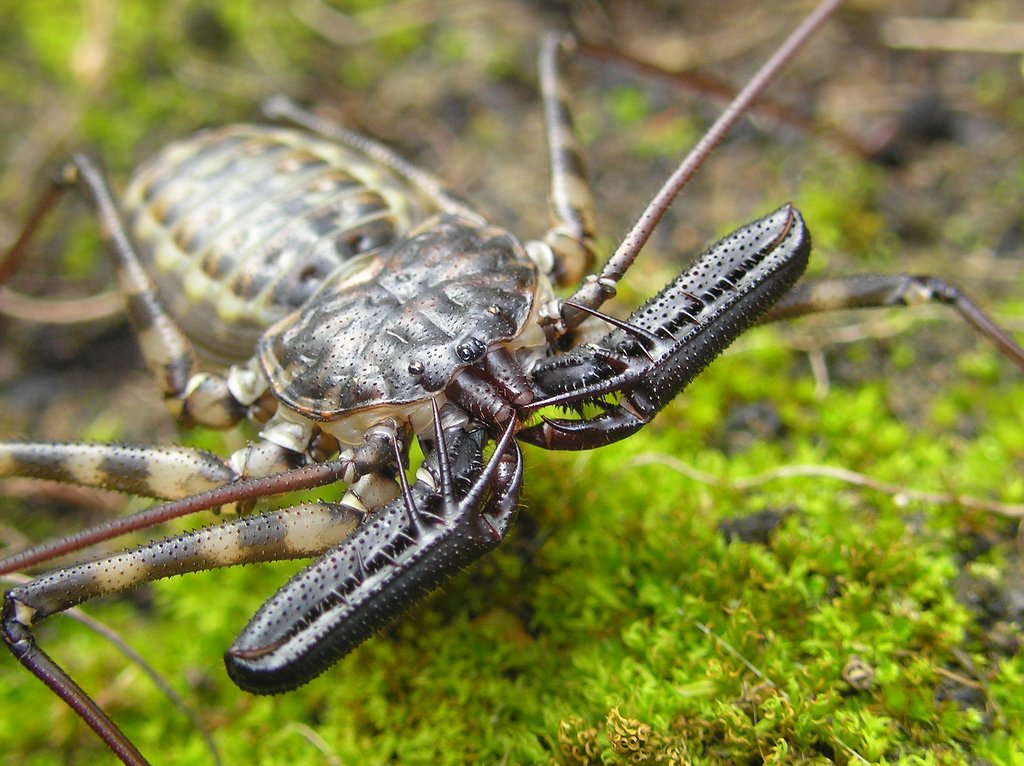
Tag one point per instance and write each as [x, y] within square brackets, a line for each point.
[239, 225]
[400, 328]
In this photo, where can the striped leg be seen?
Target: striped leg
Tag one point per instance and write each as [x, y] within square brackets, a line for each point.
[298, 532]
[571, 237]
[440, 524]
[194, 480]
[165, 473]
[192, 396]
[882, 290]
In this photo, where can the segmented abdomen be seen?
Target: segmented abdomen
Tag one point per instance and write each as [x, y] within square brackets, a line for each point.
[239, 225]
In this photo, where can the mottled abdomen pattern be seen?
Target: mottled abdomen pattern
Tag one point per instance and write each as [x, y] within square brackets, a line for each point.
[240, 225]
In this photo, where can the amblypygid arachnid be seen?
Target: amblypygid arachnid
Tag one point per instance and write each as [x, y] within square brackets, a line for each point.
[468, 350]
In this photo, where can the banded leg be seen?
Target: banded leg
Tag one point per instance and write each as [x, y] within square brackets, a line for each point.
[193, 397]
[165, 473]
[888, 290]
[571, 237]
[193, 480]
[298, 532]
[447, 525]
[242, 491]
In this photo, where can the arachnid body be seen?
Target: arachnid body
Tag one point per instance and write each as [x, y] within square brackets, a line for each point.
[455, 368]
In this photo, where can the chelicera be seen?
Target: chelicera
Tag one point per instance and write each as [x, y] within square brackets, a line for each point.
[307, 279]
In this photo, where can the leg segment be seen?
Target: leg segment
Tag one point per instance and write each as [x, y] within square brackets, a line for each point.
[882, 290]
[243, 491]
[571, 238]
[194, 480]
[165, 473]
[192, 397]
[298, 532]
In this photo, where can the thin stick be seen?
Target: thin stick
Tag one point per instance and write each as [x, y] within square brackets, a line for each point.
[743, 483]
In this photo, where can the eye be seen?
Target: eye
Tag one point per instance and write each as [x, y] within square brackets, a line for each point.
[470, 350]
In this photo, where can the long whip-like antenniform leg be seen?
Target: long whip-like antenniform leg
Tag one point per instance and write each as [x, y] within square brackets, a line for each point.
[596, 289]
[297, 532]
[650, 357]
[405, 549]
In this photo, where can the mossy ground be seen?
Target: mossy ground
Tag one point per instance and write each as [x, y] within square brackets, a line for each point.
[653, 604]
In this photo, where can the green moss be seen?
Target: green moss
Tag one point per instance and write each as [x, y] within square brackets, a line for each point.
[842, 196]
